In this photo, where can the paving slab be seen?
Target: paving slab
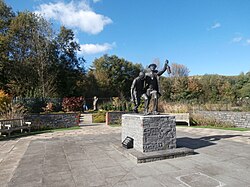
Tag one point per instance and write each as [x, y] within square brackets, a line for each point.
[85, 157]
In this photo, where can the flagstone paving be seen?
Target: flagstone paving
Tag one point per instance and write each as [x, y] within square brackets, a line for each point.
[85, 157]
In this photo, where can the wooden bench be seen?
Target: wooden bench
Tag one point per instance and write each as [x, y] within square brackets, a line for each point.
[8, 126]
[181, 117]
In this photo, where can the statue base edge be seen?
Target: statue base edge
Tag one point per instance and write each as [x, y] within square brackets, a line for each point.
[140, 157]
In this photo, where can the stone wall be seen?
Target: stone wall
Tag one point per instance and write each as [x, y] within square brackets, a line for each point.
[52, 121]
[239, 119]
[114, 117]
[150, 133]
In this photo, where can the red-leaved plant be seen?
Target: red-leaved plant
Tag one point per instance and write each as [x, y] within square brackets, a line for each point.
[72, 103]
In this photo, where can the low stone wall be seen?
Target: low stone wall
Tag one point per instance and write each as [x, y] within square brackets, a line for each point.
[52, 121]
[115, 117]
[239, 119]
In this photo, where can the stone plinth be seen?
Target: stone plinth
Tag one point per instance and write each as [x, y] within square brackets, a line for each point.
[150, 133]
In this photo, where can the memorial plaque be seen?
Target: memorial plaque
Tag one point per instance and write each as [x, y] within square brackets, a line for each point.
[128, 143]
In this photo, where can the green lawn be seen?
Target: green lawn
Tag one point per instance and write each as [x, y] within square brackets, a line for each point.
[204, 127]
[223, 128]
[115, 125]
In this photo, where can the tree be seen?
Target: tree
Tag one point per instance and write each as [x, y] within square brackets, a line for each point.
[166, 88]
[179, 89]
[195, 89]
[70, 68]
[30, 56]
[34, 61]
[245, 91]
[114, 75]
[6, 15]
[179, 70]
[19, 68]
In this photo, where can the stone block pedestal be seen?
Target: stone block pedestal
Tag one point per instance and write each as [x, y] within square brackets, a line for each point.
[150, 133]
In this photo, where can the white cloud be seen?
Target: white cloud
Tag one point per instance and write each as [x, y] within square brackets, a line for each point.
[237, 39]
[96, 48]
[74, 15]
[248, 41]
[215, 26]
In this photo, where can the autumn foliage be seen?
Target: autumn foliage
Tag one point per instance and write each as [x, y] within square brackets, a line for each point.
[72, 104]
[4, 98]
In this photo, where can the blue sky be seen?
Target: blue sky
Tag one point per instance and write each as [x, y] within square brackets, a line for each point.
[208, 36]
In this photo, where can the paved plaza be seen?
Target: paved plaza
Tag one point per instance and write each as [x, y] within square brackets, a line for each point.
[85, 157]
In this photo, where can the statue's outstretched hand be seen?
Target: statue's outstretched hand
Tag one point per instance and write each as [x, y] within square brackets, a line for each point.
[166, 62]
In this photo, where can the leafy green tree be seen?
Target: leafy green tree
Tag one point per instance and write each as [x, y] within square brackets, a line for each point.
[29, 69]
[166, 88]
[34, 61]
[195, 90]
[6, 15]
[19, 69]
[243, 85]
[114, 75]
[70, 67]
[245, 91]
[179, 89]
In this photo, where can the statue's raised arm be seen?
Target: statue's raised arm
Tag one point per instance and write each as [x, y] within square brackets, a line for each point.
[166, 67]
[152, 85]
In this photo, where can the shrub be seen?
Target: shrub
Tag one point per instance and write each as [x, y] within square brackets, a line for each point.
[117, 105]
[173, 107]
[33, 105]
[49, 107]
[72, 104]
[12, 111]
[9, 110]
[99, 117]
[4, 98]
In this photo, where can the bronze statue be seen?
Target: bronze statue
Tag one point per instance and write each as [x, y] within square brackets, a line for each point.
[138, 91]
[146, 85]
[152, 85]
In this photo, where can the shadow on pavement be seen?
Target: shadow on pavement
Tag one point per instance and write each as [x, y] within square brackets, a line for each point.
[196, 143]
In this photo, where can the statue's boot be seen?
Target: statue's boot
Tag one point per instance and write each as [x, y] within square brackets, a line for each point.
[136, 110]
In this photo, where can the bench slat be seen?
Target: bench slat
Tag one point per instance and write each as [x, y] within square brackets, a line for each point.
[13, 125]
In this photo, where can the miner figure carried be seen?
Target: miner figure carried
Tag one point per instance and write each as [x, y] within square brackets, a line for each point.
[147, 85]
[138, 91]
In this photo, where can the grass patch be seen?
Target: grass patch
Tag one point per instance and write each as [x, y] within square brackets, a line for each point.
[222, 128]
[19, 135]
[99, 117]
